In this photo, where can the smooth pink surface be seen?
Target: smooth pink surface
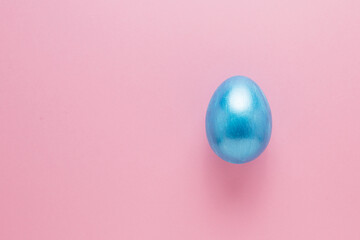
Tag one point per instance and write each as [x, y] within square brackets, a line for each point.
[102, 110]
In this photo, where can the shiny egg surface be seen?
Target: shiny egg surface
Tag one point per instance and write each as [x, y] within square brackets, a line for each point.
[238, 120]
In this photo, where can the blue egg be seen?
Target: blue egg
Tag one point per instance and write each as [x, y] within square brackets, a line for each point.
[238, 120]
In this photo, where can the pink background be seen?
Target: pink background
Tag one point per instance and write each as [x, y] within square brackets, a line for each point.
[102, 110]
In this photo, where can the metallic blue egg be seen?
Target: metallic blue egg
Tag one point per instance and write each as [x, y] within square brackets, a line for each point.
[238, 120]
